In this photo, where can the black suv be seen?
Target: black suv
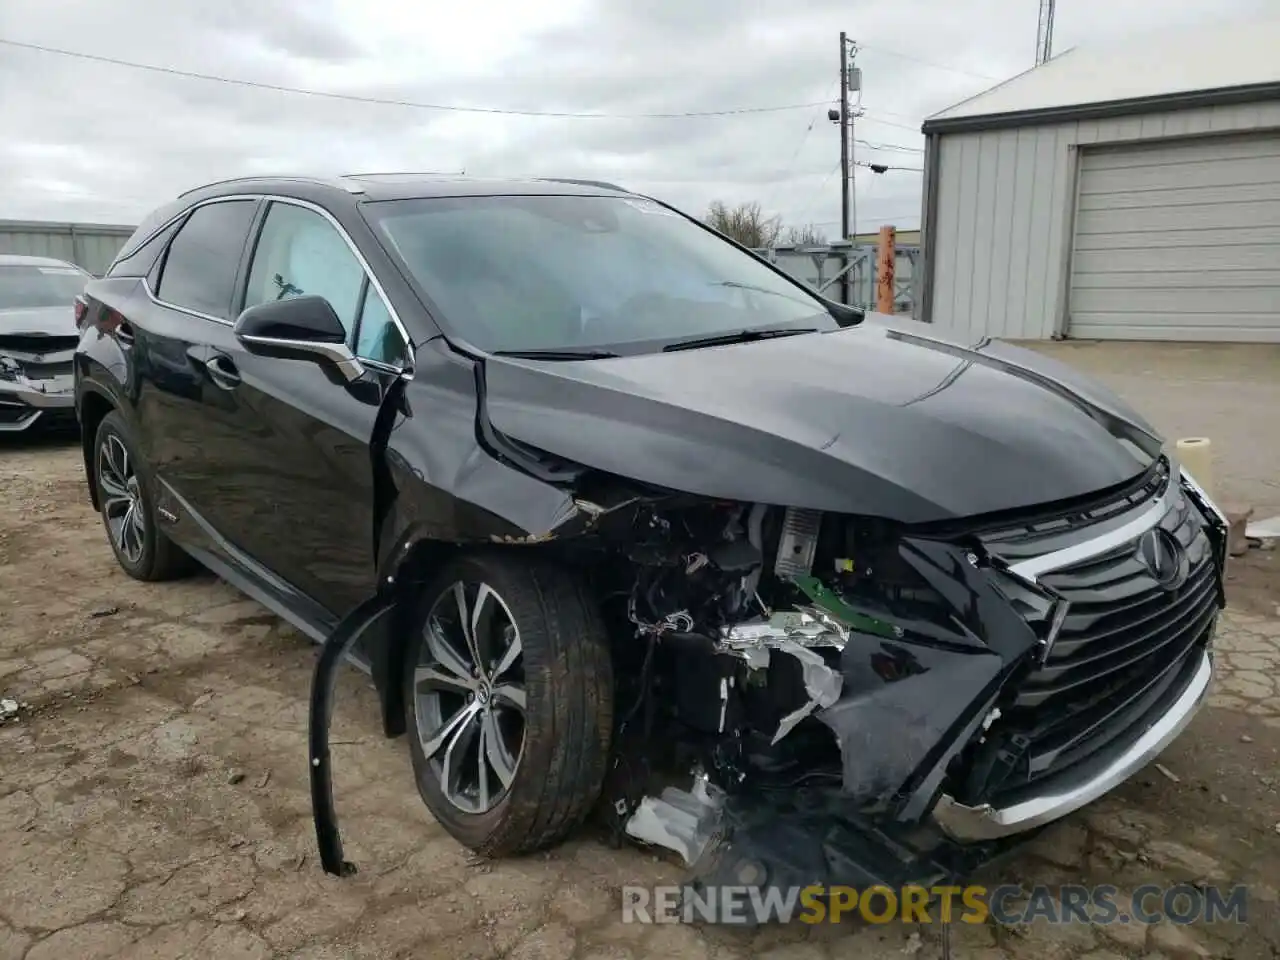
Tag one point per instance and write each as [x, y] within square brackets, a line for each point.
[609, 504]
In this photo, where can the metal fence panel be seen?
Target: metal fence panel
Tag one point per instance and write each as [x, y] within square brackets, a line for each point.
[89, 245]
[826, 267]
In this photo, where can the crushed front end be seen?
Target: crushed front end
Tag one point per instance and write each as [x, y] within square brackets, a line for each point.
[36, 381]
[824, 699]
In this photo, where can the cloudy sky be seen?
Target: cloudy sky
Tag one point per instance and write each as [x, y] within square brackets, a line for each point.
[93, 141]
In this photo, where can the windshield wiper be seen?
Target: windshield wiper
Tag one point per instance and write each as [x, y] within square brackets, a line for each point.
[560, 353]
[741, 336]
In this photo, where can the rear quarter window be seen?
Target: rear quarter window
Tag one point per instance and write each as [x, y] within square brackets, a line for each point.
[138, 261]
[199, 270]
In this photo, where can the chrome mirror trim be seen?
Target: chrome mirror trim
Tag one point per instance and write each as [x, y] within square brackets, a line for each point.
[339, 354]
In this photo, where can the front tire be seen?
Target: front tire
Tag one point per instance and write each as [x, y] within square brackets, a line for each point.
[127, 504]
[509, 689]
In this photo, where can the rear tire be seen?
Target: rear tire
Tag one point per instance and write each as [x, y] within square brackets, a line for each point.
[518, 765]
[127, 503]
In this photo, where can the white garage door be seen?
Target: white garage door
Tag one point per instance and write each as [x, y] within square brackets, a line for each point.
[1179, 240]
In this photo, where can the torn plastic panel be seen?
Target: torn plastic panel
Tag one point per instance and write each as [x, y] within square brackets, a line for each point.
[927, 680]
[686, 821]
[776, 844]
[332, 655]
[821, 683]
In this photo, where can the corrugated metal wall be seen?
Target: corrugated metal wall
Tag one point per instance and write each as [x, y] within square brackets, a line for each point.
[1006, 200]
[90, 245]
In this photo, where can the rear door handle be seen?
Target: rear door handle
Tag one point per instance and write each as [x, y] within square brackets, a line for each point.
[222, 371]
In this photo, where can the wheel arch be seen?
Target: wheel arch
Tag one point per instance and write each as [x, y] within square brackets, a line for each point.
[414, 568]
[94, 405]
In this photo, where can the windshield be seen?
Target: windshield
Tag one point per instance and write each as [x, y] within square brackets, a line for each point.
[581, 274]
[28, 287]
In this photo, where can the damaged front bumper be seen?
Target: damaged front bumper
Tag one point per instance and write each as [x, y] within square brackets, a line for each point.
[1047, 690]
[1058, 797]
[24, 401]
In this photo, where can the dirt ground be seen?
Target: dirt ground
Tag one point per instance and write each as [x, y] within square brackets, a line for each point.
[154, 804]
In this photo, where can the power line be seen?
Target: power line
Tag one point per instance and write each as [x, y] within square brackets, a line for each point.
[929, 63]
[795, 155]
[874, 118]
[901, 116]
[821, 186]
[891, 216]
[355, 98]
[883, 167]
[896, 147]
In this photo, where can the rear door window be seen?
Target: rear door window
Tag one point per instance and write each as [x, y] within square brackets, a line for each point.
[199, 271]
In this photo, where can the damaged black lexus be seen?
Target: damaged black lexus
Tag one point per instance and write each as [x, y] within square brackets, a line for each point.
[620, 518]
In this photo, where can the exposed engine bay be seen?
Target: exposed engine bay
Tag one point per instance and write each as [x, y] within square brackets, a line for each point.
[740, 616]
[741, 637]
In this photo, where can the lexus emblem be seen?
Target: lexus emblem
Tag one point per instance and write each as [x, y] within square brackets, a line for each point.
[1164, 558]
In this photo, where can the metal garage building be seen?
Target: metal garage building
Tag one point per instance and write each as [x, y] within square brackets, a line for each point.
[1122, 192]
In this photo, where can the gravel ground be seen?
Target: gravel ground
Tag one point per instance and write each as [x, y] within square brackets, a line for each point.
[153, 795]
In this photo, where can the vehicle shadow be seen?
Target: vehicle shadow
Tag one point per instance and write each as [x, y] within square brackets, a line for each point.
[36, 439]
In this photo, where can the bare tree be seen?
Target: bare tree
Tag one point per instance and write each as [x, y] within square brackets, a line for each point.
[745, 223]
[808, 235]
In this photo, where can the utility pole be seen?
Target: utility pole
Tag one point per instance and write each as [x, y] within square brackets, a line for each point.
[850, 81]
[845, 166]
[854, 78]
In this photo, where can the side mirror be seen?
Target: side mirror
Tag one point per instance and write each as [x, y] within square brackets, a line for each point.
[299, 328]
[845, 315]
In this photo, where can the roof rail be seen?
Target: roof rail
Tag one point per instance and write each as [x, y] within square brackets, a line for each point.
[603, 184]
[349, 187]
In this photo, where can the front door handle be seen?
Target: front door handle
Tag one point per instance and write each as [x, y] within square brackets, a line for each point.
[222, 371]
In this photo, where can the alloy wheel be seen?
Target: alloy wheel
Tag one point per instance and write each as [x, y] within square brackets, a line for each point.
[121, 498]
[469, 696]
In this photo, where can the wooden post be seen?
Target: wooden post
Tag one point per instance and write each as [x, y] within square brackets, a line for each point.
[886, 261]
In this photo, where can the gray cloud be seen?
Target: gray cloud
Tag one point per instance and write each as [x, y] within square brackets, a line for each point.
[99, 142]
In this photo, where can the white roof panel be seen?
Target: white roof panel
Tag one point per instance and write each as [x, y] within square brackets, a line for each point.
[1239, 54]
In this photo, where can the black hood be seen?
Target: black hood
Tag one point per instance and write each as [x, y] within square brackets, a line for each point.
[881, 419]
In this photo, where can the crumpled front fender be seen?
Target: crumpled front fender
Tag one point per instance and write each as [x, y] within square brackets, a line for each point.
[909, 704]
[902, 705]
